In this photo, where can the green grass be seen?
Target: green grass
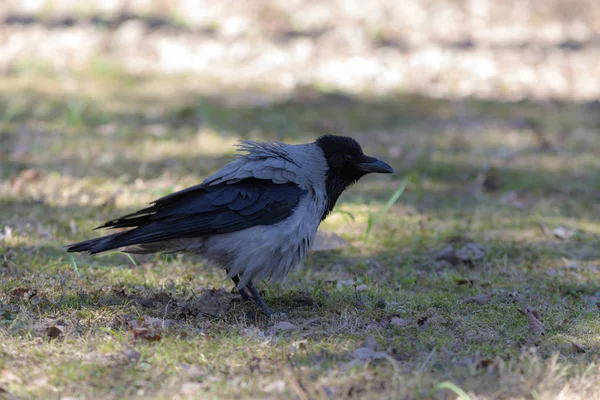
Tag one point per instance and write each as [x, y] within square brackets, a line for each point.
[106, 149]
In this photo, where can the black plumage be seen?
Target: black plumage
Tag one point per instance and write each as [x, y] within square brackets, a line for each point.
[201, 210]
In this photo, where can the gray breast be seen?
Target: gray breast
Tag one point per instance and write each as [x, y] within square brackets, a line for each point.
[267, 252]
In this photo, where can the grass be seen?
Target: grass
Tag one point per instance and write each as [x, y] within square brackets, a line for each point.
[386, 317]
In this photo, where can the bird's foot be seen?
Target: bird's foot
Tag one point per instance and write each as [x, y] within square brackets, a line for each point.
[257, 299]
[243, 292]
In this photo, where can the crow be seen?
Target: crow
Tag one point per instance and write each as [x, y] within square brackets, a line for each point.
[256, 217]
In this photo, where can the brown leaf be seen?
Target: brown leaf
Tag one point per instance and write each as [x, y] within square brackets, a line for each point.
[54, 331]
[21, 292]
[145, 334]
[422, 320]
[480, 299]
[535, 326]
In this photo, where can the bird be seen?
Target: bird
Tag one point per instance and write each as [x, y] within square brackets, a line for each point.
[256, 217]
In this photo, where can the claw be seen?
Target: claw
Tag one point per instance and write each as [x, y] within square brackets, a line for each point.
[242, 291]
[257, 299]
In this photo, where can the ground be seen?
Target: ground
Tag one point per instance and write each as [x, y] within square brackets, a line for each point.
[482, 278]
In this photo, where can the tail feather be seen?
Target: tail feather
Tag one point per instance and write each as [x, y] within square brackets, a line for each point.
[97, 245]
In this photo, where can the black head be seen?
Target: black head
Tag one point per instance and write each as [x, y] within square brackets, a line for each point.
[347, 164]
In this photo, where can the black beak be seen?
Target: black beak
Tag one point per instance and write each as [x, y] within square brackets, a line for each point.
[371, 164]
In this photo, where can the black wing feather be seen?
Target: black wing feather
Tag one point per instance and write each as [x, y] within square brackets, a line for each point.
[201, 210]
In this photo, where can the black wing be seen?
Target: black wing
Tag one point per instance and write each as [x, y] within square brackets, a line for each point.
[201, 210]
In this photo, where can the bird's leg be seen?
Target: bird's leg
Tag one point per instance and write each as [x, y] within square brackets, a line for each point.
[243, 292]
[257, 299]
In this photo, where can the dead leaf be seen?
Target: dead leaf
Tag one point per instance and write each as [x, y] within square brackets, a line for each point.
[54, 331]
[422, 320]
[535, 326]
[480, 299]
[280, 326]
[145, 334]
[22, 292]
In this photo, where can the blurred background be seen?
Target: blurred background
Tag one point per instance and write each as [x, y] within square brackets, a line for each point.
[135, 98]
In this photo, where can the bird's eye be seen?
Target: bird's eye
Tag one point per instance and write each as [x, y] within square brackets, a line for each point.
[348, 157]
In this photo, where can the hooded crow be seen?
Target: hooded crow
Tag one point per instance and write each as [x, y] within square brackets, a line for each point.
[256, 217]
